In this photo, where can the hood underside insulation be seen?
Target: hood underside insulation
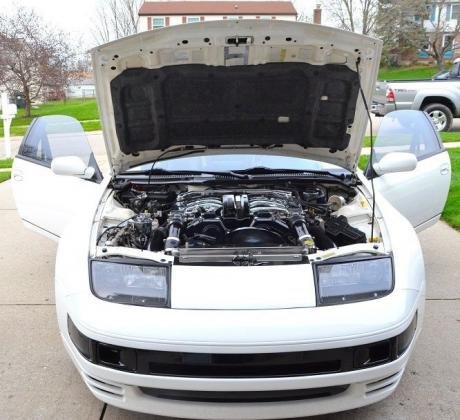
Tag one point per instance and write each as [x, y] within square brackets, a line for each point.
[263, 105]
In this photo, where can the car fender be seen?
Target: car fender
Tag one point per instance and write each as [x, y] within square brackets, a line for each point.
[447, 94]
[405, 246]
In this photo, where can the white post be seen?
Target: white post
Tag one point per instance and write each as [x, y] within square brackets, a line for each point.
[8, 113]
[6, 131]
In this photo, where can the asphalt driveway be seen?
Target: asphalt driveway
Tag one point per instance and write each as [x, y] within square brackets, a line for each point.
[38, 380]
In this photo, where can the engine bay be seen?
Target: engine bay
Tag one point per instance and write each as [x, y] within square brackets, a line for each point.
[236, 224]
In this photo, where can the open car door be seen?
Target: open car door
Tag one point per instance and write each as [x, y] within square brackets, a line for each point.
[46, 201]
[421, 193]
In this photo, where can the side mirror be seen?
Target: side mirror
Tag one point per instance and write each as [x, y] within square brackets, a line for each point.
[395, 162]
[73, 166]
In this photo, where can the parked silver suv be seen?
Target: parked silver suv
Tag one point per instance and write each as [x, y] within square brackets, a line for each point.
[438, 97]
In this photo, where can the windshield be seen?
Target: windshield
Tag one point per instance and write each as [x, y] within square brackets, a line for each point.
[238, 162]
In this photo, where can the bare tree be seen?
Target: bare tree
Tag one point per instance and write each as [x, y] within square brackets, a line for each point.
[441, 32]
[33, 57]
[302, 17]
[354, 15]
[116, 19]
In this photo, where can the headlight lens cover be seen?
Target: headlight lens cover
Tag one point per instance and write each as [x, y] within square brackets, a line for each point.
[140, 283]
[351, 279]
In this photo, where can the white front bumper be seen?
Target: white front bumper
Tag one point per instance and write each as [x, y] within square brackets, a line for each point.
[122, 389]
[366, 386]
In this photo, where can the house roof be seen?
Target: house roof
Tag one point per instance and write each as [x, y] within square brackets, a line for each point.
[164, 8]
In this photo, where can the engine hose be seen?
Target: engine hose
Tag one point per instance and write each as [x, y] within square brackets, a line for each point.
[304, 236]
[172, 241]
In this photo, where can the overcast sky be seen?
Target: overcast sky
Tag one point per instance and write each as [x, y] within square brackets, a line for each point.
[77, 17]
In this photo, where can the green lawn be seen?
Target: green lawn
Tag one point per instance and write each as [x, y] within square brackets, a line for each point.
[6, 163]
[91, 125]
[451, 213]
[5, 176]
[447, 137]
[83, 110]
[362, 163]
[407, 73]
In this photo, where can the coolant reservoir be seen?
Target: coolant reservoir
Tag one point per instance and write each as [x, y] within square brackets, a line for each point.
[114, 212]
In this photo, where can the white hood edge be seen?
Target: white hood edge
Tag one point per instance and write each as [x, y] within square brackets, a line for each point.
[203, 43]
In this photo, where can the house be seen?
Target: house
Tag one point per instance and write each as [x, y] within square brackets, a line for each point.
[443, 21]
[81, 89]
[158, 14]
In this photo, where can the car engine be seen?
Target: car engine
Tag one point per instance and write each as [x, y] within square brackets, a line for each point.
[243, 219]
[182, 220]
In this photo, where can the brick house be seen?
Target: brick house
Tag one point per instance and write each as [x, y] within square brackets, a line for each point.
[158, 14]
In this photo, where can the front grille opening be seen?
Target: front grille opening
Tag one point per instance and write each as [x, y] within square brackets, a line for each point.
[238, 370]
[245, 396]
[109, 355]
[255, 365]
[373, 354]
[379, 353]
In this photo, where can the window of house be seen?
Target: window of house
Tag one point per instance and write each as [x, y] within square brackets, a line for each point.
[431, 11]
[193, 19]
[265, 17]
[447, 40]
[158, 22]
[232, 17]
[455, 11]
[426, 44]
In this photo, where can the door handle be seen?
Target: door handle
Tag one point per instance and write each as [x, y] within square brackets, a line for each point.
[444, 170]
[18, 177]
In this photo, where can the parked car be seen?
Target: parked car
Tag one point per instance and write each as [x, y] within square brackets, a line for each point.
[234, 263]
[439, 97]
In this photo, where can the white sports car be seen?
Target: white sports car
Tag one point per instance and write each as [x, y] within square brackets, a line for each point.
[235, 264]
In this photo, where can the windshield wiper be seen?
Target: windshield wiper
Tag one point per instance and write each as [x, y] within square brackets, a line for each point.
[159, 172]
[263, 170]
[241, 173]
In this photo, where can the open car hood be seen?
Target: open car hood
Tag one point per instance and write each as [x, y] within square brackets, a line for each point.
[277, 87]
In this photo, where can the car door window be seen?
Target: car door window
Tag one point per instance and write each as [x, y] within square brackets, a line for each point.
[407, 131]
[53, 136]
[36, 145]
[454, 73]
